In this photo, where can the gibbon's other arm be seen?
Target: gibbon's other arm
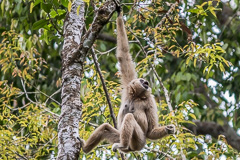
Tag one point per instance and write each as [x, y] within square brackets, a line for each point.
[128, 72]
[154, 131]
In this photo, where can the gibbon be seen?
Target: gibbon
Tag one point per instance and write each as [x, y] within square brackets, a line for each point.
[137, 118]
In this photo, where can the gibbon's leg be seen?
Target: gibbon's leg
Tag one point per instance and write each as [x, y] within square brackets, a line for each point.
[160, 132]
[131, 135]
[128, 72]
[103, 132]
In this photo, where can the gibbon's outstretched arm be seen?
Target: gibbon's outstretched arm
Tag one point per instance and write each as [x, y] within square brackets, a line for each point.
[128, 72]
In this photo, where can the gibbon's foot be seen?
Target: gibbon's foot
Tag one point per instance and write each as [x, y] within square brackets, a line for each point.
[170, 129]
[116, 146]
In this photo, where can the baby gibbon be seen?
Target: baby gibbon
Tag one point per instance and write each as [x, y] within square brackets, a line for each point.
[137, 118]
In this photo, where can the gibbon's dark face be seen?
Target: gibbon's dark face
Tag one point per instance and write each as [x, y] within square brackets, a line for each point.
[138, 86]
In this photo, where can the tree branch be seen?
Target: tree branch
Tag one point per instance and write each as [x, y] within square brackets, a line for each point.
[107, 37]
[173, 6]
[102, 17]
[104, 88]
[106, 93]
[214, 129]
[53, 24]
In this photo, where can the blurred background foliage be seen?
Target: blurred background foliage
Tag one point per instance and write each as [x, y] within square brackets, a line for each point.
[193, 45]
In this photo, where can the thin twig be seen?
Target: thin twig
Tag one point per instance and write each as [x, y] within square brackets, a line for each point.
[166, 15]
[106, 93]
[50, 97]
[229, 21]
[160, 152]
[21, 156]
[110, 50]
[90, 123]
[50, 141]
[54, 25]
[14, 109]
[139, 52]
[104, 88]
[41, 106]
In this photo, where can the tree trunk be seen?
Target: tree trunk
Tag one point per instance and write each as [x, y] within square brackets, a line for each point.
[71, 107]
[73, 55]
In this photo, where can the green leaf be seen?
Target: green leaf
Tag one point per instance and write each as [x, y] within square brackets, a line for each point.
[53, 14]
[188, 76]
[193, 10]
[37, 2]
[39, 24]
[2, 6]
[46, 7]
[64, 3]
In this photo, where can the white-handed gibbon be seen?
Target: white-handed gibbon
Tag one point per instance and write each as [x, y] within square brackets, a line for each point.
[137, 118]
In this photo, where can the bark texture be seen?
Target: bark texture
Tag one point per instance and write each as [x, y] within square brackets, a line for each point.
[102, 17]
[71, 107]
[214, 129]
[73, 55]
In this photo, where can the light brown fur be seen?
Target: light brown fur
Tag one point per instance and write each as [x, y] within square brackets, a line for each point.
[137, 117]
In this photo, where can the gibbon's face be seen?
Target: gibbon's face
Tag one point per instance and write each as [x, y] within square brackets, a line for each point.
[138, 86]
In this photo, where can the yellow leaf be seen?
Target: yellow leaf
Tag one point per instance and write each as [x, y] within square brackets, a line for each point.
[209, 3]
[69, 6]
[204, 70]
[193, 116]
[87, 1]
[221, 67]
[213, 13]
[187, 61]
[195, 62]
[78, 8]
[203, 4]
[225, 61]
[31, 7]
[209, 69]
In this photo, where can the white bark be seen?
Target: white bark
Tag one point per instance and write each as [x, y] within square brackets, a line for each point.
[71, 107]
[73, 54]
